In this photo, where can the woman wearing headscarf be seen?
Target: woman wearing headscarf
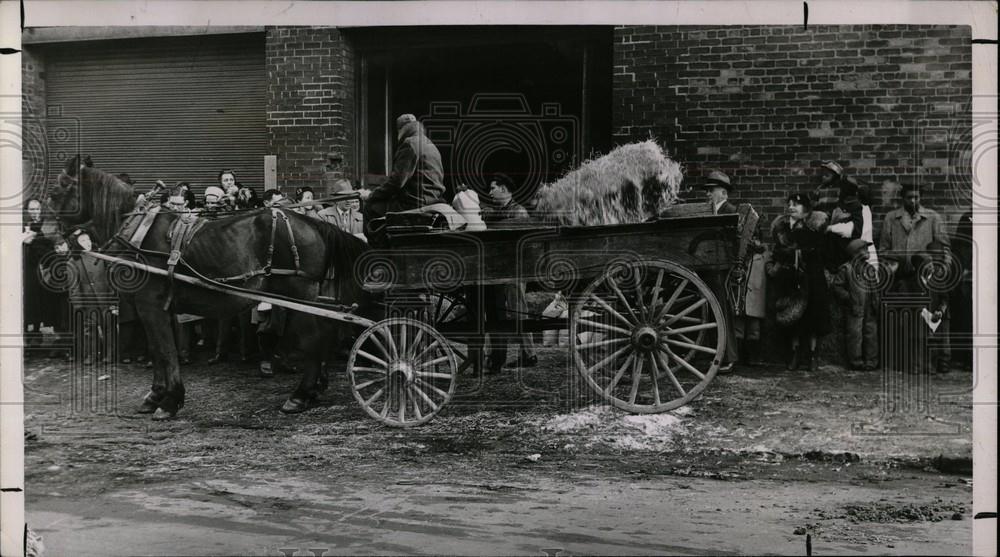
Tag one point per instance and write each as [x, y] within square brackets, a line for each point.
[797, 277]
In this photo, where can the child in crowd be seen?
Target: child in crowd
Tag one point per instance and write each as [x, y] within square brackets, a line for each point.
[854, 286]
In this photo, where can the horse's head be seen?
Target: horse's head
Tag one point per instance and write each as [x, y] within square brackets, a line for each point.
[85, 194]
[65, 199]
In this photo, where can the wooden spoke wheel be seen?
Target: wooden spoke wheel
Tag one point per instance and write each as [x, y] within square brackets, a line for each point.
[656, 336]
[402, 371]
[439, 310]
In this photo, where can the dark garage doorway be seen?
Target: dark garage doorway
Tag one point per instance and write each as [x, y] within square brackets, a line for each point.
[170, 108]
[527, 102]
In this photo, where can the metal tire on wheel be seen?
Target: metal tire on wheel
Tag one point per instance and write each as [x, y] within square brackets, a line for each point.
[402, 372]
[657, 335]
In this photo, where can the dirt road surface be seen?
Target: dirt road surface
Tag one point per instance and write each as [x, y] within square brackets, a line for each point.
[520, 464]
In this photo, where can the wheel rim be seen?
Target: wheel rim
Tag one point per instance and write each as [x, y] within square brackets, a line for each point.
[655, 336]
[402, 372]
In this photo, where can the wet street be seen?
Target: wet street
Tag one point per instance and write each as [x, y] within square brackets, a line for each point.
[516, 466]
[403, 511]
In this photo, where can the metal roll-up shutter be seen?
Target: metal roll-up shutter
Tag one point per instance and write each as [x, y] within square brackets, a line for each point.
[173, 109]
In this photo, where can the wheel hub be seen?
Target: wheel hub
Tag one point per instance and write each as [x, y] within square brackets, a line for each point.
[645, 338]
[403, 370]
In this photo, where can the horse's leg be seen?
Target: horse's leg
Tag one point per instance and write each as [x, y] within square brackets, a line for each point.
[305, 354]
[159, 338]
[173, 399]
[166, 396]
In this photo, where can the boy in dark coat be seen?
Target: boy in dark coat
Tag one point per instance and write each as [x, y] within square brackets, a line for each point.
[853, 286]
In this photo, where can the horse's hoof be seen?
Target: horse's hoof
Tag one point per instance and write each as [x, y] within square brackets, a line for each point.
[146, 407]
[162, 414]
[294, 406]
[265, 369]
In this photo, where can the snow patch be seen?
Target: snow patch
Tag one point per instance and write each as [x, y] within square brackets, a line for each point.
[683, 411]
[620, 430]
[588, 418]
[653, 424]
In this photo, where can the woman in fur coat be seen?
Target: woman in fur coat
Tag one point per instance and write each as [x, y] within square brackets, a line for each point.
[798, 278]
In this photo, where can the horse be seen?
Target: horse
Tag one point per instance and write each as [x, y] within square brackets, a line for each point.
[297, 251]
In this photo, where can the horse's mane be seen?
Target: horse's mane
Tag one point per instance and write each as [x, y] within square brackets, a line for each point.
[107, 202]
[342, 253]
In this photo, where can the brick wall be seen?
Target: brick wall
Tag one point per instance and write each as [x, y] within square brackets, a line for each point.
[33, 153]
[765, 103]
[310, 104]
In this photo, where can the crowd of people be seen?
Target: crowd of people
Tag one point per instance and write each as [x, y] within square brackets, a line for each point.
[822, 251]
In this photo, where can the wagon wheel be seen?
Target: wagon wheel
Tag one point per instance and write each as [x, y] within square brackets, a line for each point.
[437, 309]
[659, 325]
[402, 371]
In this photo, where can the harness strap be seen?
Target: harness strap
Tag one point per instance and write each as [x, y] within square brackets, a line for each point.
[145, 224]
[291, 239]
[180, 236]
[270, 246]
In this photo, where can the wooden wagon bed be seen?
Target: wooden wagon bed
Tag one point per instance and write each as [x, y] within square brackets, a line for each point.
[548, 254]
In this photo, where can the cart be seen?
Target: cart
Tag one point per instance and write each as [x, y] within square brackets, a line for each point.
[645, 329]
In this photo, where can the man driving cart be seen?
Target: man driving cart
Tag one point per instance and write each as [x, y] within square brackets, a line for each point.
[417, 178]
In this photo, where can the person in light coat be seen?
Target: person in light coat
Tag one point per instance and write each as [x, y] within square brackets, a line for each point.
[345, 214]
[747, 325]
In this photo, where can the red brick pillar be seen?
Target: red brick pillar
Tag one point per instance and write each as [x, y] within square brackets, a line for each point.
[310, 105]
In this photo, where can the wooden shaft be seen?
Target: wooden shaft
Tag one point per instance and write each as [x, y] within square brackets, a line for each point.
[294, 306]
